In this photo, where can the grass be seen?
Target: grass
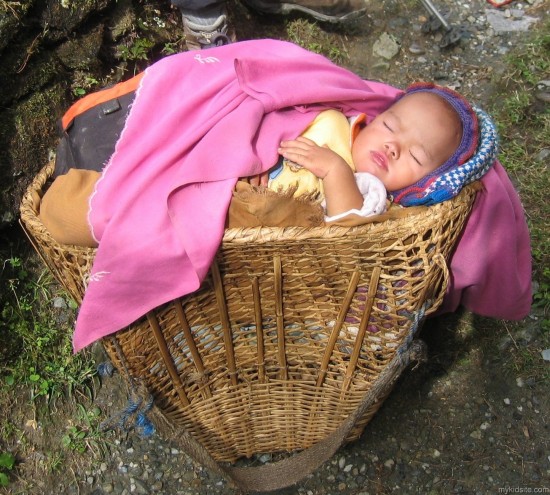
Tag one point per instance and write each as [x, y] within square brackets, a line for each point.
[310, 36]
[524, 128]
[39, 374]
[32, 324]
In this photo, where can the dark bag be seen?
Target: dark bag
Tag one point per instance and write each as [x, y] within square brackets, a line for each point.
[90, 129]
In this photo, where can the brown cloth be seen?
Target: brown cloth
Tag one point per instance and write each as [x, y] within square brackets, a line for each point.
[64, 208]
[253, 206]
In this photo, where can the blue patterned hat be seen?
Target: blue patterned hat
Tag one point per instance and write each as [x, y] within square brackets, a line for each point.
[472, 159]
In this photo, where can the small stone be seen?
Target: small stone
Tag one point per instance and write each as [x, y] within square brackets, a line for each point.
[348, 468]
[140, 487]
[517, 13]
[59, 303]
[476, 434]
[341, 462]
[436, 453]
[174, 451]
[543, 155]
[519, 382]
[416, 49]
[135, 470]
[381, 64]
[386, 46]
[546, 354]
[507, 401]
[108, 487]
[389, 463]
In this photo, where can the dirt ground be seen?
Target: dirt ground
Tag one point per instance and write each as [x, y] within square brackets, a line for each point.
[474, 419]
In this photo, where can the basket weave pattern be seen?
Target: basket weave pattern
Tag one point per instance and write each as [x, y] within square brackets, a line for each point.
[288, 331]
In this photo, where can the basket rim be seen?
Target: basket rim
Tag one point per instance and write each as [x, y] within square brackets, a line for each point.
[259, 235]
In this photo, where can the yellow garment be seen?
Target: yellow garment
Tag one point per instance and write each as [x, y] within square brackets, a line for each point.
[330, 128]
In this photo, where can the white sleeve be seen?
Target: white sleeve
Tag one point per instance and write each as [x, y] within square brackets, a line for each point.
[374, 197]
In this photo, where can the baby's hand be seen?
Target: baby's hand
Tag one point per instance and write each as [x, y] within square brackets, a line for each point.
[319, 160]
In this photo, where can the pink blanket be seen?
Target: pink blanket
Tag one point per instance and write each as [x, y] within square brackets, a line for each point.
[199, 121]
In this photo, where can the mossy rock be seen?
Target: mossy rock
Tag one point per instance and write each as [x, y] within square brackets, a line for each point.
[29, 133]
[81, 53]
[11, 14]
[62, 17]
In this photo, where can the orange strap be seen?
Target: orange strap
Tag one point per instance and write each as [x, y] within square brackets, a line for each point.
[99, 97]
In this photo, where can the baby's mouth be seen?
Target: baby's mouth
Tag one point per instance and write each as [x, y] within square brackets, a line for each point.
[379, 159]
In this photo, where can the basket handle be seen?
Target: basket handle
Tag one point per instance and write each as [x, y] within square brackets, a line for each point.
[439, 260]
[291, 470]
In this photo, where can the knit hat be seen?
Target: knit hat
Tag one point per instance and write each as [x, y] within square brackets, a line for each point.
[472, 159]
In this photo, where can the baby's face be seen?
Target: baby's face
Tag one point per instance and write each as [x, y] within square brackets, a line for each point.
[412, 138]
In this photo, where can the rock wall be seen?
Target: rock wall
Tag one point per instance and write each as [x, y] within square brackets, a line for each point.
[54, 51]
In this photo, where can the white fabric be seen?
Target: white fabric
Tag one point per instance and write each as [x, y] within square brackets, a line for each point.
[374, 197]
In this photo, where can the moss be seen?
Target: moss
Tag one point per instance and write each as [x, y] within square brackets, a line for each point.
[34, 125]
[28, 131]
[11, 13]
[82, 52]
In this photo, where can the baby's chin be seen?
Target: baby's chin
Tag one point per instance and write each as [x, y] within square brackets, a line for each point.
[374, 170]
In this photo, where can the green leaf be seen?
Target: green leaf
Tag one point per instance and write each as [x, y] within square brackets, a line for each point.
[4, 481]
[10, 380]
[7, 460]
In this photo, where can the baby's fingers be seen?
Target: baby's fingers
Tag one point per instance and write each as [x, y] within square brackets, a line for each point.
[295, 154]
[300, 143]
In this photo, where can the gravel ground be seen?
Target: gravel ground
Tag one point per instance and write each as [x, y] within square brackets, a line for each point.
[461, 423]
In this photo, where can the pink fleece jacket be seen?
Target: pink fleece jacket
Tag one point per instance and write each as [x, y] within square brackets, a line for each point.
[200, 121]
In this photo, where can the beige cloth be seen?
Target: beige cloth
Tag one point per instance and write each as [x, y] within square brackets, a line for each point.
[64, 207]
[258, 206]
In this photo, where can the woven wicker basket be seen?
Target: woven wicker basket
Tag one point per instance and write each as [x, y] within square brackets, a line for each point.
[289, 331]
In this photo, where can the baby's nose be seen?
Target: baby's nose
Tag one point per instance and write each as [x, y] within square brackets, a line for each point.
[392, 149]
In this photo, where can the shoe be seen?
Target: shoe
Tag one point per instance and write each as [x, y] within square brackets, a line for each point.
[335, 11]
[207, 28]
